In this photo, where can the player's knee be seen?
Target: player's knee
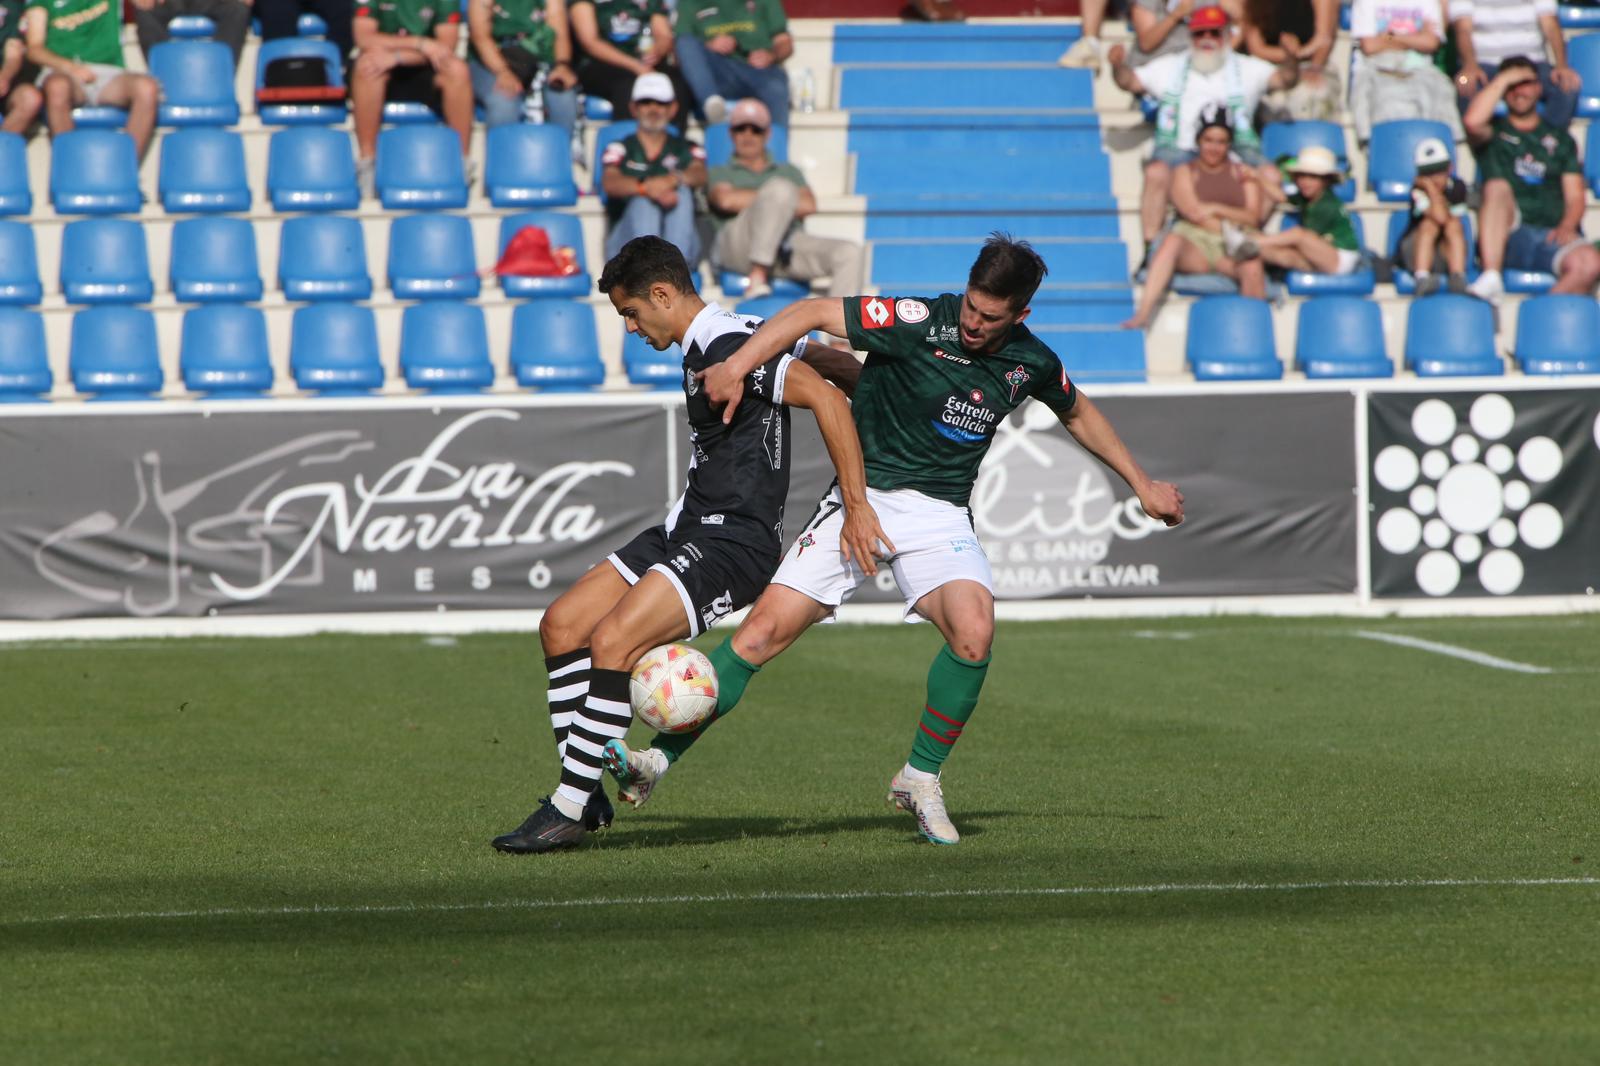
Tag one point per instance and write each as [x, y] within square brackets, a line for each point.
[754, 639]
[559, 631]
[611, 647]
[58, 89]
[973, 640]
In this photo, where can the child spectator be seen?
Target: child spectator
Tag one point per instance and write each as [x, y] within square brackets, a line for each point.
[1325, 241]
[1438, 205]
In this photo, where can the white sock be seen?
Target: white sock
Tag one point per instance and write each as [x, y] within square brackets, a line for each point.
[911, 773]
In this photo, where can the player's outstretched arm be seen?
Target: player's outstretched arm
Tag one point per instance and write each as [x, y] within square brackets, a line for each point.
[1090, 428]
[841, 369]
[861, 536]
[724, 382]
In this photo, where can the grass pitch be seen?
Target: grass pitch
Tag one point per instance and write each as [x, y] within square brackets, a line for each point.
[1184, 841]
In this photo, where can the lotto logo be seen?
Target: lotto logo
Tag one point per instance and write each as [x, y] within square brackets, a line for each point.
[876, 314]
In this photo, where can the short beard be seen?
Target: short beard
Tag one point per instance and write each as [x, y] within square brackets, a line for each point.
[1207, 62]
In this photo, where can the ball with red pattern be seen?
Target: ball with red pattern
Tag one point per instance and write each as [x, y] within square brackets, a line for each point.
[674, 689]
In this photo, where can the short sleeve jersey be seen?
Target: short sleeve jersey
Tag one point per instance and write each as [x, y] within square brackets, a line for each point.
[521, 22]
[739, 473]
[622, 22]
[409, 18]
[1327, 216]
[740, 176]
[88, 31]
[751, 23]
[1532, 161]
[925, 408]
[635, 162]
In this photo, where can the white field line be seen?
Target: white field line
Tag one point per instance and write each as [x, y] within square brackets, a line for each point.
[1481, 658]
[1159, 889]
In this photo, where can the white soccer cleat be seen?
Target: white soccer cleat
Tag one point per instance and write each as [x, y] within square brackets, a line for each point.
[925, 801]
[635, 772]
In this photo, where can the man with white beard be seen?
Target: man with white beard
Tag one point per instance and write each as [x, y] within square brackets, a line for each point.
[1189, 83]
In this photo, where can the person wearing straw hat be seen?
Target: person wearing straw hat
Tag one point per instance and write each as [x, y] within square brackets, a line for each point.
[1325, 240]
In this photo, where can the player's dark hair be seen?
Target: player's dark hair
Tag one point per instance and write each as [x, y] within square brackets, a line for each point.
[1009, 269]
[643, 262]
[1517, 63]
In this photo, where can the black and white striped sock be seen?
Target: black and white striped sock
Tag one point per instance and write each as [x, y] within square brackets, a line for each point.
[605, 716]
[569, 687]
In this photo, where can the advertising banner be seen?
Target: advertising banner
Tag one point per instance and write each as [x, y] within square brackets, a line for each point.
[1485, 493]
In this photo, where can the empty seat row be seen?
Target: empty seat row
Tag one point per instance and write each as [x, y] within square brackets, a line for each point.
[1230, 338]
[321, 257]
[224, 351]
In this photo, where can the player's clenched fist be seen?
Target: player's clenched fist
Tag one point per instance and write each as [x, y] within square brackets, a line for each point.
[1163, 501]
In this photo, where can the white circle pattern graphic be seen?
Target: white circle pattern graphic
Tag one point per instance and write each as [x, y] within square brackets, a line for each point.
[1435, 533]
[1423, 499]
[1517, 495]
[1434, 464]
[1467, 548]
[1500, 572]
[1433, 421]
[1399, 531]
[1395, 467]
[1539, 459]
[1540, 526]
[1491, 416]
[1438, 573]
[1470, 498]
[1503, 533]
[1498, 458]
[1464, 449]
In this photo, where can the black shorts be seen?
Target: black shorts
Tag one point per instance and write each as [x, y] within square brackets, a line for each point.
[714, 576]
[414, 85]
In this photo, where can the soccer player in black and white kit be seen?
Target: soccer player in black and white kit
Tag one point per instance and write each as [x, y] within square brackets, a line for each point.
[717, 549]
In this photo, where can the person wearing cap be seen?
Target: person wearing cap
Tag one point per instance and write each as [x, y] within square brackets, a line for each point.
[1210, 74]
[1488, 32]
[406, 50]
[1325, 240]
[1533, 190]
[730, 49]
[619, 40]
[515, 46]
[1394, 76]
[757, 206]
[1438, 206]
[649, 176]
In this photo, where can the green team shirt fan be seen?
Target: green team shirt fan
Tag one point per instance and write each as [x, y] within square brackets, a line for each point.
[410, 18]
[1326, 216]
[87, 31]
[522, 23]
[622, 22]
[925, 408]
[637, 164]
[751, 23]
[1532, 161]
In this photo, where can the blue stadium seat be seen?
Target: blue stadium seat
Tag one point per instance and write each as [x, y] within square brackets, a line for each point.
[311, 168]
[1579, 17]
[1230, 339]
[419, 167]
[94, 172]
[528, 166]
[224, 352]
[114, 354]
[104, 260]
[719, 144]
[1451, 335]
[203, 170]
[19, 265]
[733, 286]
[927, 267]
[1583, 56]
[314, 114]
[1404, 282]
[323, 257]
[554, 346]
[408, 113]
[196, 83]
[1341, 337]
[444, 347]
[597, 108]
[1037, 171]
[213, 260]
[1359, 282]
[1559, 334]
[1528, 282]
[15, 196]
[650, 368]
[310, 25]
[191, 27]
[333, 350]
[24, 361]
[1391, 165]
[953, 88]
[1279, 139]
[864, 41]
[564, 231]
[431, 258]
[99, 118]
[1096, 356]
[764, 306]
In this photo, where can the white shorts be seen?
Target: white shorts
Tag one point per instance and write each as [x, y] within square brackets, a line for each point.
[104, 74]
[933, 539]
[1349, 261]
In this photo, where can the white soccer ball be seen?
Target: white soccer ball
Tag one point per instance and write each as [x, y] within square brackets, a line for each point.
[674, 689]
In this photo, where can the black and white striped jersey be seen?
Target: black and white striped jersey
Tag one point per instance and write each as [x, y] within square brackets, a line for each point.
[738, 474]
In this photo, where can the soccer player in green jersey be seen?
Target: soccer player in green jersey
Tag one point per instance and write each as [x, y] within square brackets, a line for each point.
[940, 377]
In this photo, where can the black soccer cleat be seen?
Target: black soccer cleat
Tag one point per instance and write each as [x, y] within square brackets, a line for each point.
[546, 829]
[598, 813]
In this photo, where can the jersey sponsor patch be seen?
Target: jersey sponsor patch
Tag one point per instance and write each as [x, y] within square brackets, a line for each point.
[876, 314]
[911, 311]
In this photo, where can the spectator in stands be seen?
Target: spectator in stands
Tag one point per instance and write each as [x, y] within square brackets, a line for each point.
[1208, 75]
[232, 19]
[1533, 192]
[1325, 240]
[1490, 31]
[730, 49]
[649, 176]
[757, 206]
[20, 101]
[407, 52]
[1395, 76]
[78, 43]
[517, 49]
[1278, 30]
[281, 18]
[1086, 51]
[1161, 27]
[1216, 199]
[1438, 205]
[619, 40]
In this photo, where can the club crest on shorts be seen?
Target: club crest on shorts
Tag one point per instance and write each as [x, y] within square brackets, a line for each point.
[807, 541]
[1016, 379]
